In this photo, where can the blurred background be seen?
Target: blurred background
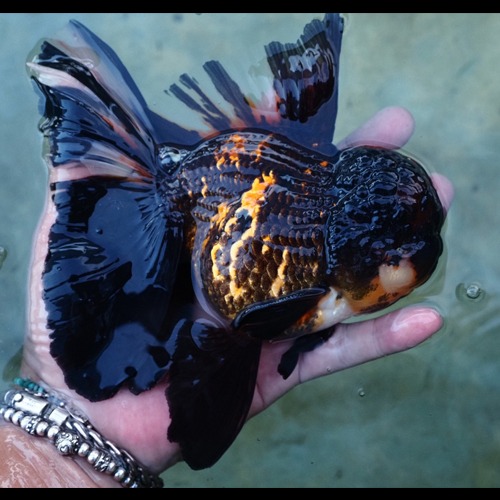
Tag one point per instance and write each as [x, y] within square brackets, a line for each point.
[429, 417]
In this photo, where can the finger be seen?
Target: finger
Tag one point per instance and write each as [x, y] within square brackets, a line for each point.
[390, 128]
[357, 343]
[444, 189]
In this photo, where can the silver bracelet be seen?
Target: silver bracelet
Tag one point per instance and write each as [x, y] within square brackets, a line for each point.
[44, 413]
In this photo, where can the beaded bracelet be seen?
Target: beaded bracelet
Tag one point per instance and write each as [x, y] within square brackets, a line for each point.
[44, 413]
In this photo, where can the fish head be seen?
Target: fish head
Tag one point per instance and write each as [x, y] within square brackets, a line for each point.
[383, 234]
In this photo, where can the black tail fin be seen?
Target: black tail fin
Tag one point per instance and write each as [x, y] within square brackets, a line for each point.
[302, 78]
[113, 248]
[211, 387]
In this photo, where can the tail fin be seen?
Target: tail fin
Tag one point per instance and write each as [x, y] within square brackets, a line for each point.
[211, 387]
[302, 79]
[113, 248]
[90, 95]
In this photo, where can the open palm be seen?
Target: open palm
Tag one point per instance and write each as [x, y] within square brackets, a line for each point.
[139, 423]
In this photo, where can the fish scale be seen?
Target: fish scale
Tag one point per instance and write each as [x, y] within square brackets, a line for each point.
[264, 218]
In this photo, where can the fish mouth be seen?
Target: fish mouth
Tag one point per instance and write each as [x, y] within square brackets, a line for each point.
[331, 309]
[392, 283]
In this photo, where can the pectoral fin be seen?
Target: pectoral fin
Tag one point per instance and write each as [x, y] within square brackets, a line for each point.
[268, 319]
[301, 345]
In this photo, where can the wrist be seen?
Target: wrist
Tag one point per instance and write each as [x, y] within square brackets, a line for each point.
[45, 414]
[34, 463]
[138, 423]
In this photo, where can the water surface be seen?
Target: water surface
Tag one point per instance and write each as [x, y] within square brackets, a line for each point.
[427, 417]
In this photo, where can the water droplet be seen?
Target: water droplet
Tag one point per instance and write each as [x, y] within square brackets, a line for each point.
[361, 392]
[470, 292]
[473, 291]
[98, 230]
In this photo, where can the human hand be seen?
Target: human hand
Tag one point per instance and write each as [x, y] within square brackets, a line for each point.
[356, 343]
[139, 423]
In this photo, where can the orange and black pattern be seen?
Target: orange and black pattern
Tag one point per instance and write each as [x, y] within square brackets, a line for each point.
[260, 208]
